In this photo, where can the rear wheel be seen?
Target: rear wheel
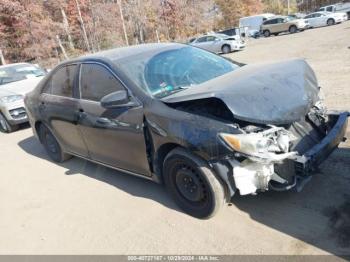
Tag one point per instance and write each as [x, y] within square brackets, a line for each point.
[293, 29]
[267, 33]
[226, 49]
[330, 22]
[51, 145]
[192, 184]
[5, 126]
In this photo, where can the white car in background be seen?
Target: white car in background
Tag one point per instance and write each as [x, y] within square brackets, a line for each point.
[218, 43]
[15, 81]
[318, 19]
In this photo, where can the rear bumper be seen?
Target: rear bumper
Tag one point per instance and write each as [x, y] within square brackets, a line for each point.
[308, 163]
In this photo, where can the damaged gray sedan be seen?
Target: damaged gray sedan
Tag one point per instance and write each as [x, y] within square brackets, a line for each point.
[206, 126]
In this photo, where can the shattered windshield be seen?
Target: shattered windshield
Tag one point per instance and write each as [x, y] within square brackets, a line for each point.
[20, 72]
[174, 70]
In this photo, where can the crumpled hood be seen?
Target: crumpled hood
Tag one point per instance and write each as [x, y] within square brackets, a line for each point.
[19, 87]
[268, 93]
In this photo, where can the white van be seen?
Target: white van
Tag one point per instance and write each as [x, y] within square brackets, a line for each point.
[252, 24]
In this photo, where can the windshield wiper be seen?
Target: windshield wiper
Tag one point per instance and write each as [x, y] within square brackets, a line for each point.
[160, 94]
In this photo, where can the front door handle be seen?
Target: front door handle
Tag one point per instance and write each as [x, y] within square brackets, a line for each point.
[81, 114]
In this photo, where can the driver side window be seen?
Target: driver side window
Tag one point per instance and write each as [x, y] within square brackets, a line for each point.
[96, 82]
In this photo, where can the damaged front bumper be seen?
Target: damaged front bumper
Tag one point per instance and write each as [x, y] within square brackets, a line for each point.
[250, 177]
[309, 162]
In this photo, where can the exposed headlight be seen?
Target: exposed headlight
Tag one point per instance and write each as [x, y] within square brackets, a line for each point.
[10, 99]
[272, 144]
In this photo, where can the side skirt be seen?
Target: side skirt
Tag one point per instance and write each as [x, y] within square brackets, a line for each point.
[151, 178]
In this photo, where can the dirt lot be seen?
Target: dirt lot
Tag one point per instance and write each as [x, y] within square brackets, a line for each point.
[82, 208]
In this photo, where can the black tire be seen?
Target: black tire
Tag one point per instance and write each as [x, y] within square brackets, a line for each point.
[330, 22]
[267, 33]
[226, 49]
[293, 29]
[5, 126]
[192, 184]
[52, 146]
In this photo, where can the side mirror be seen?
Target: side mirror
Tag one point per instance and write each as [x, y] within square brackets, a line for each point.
[115, 99]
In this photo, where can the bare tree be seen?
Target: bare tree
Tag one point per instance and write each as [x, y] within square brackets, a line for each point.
[66, 28]
[2, 58]
[119, 2]
[82, 25]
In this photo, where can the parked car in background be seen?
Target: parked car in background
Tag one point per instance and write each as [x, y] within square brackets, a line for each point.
[205, 126]
[280, 24]
[232, 32]
[219, 43]
[318, 19]
[15, 81]
[337, 8]
[251, 24]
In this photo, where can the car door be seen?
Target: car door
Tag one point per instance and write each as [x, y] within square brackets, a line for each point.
[322, 19]
[281, 25]
[213, 44]
[113, 136]
[59, 108]
[273, 26]
[312, 20]
[200, 42]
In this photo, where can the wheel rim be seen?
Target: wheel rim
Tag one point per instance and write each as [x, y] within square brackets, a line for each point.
[190, 185]
[266, 33]
[293, 29]
[51, 143]
[226, 49]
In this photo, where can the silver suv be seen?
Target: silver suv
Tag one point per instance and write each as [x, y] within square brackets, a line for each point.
[15, 81]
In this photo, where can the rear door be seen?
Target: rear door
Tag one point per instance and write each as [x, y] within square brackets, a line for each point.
[59, 108]
[113, 136]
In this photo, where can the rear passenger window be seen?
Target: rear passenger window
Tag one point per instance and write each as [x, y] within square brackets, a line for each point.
[97, 82]
[62, 81]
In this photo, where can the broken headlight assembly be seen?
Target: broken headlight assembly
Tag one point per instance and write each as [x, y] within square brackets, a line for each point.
[271, 145]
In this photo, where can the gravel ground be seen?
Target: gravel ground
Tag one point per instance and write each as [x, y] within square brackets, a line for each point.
[81, 208]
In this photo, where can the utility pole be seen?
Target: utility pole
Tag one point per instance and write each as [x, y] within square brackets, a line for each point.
[288, 6]
[123, 22]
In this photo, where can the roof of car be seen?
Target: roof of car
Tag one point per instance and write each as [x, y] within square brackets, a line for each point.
[14, 64]
[122, 52]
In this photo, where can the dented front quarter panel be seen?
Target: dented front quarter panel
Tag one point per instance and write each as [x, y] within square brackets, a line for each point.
[197, 133]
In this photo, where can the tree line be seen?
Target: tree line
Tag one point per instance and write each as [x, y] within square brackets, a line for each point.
[48, 31]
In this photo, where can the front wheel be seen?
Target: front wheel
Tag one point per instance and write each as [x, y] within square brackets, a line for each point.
[330, 22]
[267, 33]
[5, 126]
[52, 146]
[192, 184]
[226, 49]
[293, 29]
